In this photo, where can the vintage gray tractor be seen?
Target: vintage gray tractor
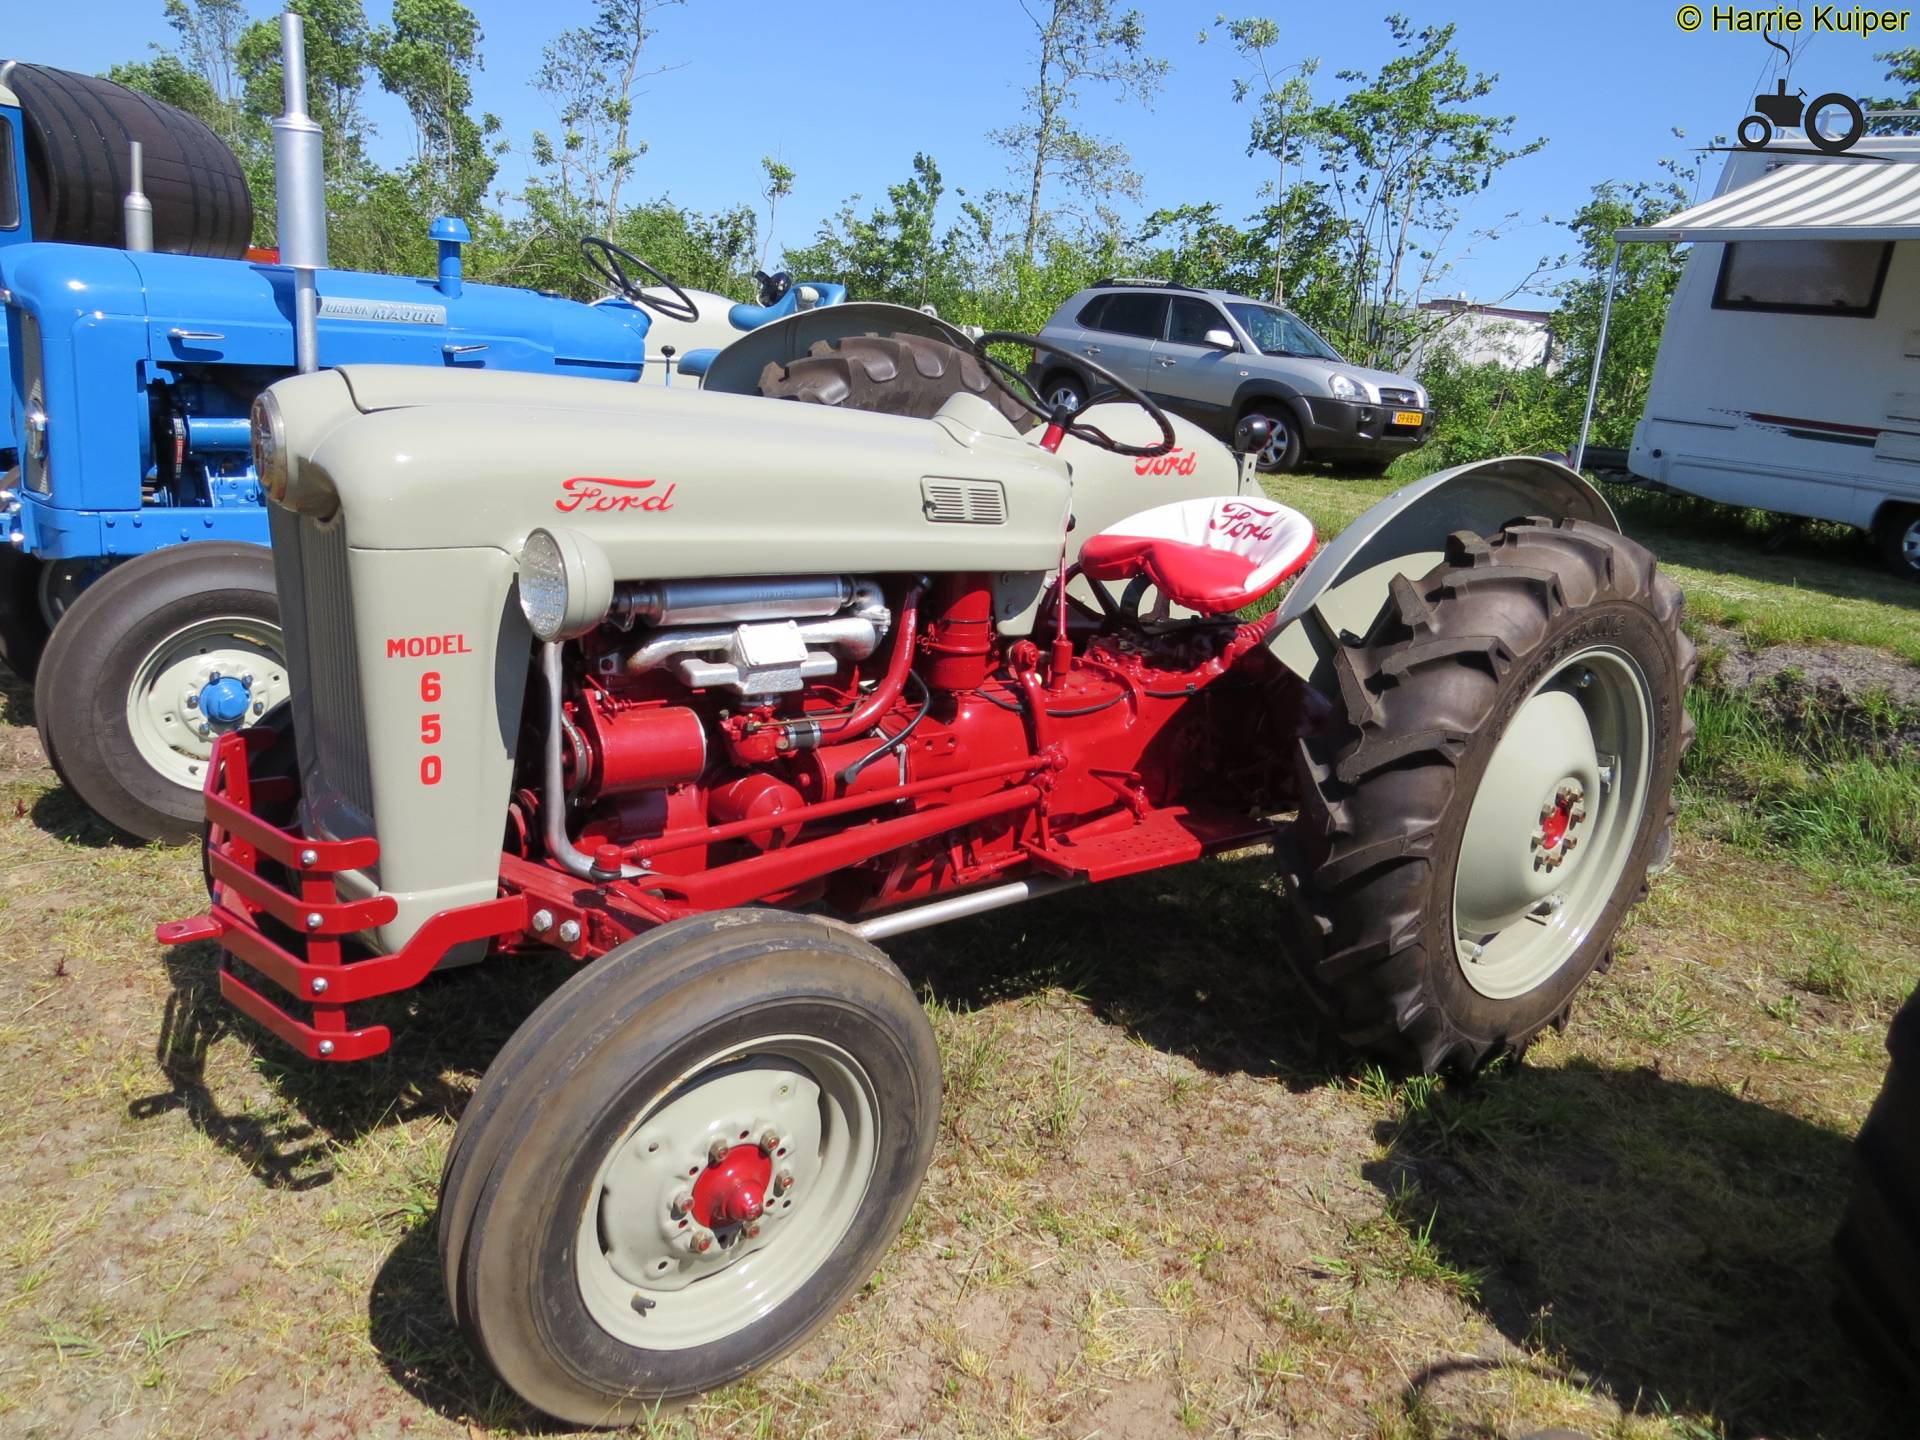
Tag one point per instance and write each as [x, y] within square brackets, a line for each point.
[713, 692]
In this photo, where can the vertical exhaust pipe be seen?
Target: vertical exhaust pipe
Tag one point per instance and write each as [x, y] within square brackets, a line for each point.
[136, 211]
[300, 188]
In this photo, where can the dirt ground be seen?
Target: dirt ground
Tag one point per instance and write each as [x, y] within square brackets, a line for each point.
[1159, 1205]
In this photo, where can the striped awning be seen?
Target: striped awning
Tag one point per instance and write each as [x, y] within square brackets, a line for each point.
[1831, 200]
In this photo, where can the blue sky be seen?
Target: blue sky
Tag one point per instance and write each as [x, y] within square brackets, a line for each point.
[845, 91]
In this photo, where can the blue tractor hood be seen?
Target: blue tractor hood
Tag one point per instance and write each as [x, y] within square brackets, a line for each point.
[235, 312]
[90, 327]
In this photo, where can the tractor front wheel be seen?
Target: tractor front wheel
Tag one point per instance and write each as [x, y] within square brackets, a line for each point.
[1472, 836]
[147, 668]
[685, 1161]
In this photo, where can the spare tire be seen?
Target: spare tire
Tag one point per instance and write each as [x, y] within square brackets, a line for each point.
[889, 375]
[1878, 1247]
[79, 130]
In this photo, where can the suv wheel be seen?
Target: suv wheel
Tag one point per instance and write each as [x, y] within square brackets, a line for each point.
[1063, 389]
[1282, 452]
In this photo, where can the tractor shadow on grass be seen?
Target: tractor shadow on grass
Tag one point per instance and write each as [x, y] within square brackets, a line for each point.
[1667, 1242]
[444, 1034]
[1187, 960]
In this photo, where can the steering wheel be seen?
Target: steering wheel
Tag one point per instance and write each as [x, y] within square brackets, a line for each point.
[1059, 426]
[617, 266]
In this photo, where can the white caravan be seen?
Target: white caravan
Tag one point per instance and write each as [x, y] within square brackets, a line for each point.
[1788, 377]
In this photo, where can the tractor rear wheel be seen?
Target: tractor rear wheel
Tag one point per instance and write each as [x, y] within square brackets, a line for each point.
[1472, 836]
[888, 375]
[151, 663]
[685, 1161]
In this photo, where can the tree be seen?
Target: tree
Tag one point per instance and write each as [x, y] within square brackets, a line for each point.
[590, 75]
[1402, 151]
[1282, 96]
[779, 185]
[1649, 274]
[1080, 43]
[895, 253]
[427, 57]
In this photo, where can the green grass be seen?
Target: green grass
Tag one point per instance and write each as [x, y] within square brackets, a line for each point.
[1776, 769]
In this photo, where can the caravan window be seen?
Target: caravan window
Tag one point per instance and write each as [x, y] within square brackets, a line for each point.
[1803, 277]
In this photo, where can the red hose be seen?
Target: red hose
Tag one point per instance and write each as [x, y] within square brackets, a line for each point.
[869, 710]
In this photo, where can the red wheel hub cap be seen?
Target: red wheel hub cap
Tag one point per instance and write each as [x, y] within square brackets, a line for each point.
[1553, 829]
[734, 1192]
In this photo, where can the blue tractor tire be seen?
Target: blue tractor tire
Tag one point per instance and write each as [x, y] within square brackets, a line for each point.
[146, 668]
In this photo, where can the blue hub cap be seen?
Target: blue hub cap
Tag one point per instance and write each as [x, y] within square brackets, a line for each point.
[224, 700]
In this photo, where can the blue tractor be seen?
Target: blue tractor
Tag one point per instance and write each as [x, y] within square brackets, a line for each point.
[134, 589]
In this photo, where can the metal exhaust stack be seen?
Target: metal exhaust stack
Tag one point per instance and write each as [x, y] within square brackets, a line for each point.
[136, 211]
[300, 185]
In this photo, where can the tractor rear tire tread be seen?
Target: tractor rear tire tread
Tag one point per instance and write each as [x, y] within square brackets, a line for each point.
[1417, 695]
[910, 375]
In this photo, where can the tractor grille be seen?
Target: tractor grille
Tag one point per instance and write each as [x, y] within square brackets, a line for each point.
[1410, 399]
[964, 502]
[316, 603]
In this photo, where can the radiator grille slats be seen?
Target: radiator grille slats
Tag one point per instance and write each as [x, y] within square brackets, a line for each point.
[316, 600]
[964, 502]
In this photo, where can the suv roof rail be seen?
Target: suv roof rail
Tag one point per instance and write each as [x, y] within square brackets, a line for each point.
[1144, 280]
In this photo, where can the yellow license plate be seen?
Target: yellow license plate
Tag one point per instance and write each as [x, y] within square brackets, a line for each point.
[1407, 417]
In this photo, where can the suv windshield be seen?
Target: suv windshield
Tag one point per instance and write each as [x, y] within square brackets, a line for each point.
[1277, 332]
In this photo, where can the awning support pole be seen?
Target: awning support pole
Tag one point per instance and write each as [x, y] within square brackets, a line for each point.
[1599, 354]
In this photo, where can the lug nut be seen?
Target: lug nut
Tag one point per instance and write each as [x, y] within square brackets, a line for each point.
[769, 1140]
[701, 1241]
[193, 701]
[1579, 814]
[681, 1205]
[542, 921]
[783, 1182]
[717, 1152]
[752, 1231]
[569, 931]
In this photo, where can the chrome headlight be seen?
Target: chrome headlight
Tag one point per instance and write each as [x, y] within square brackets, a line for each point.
[566, 584]
[269, 447]
[1345, 387]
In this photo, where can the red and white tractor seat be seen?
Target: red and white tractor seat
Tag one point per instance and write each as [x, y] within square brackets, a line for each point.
[1208, 555]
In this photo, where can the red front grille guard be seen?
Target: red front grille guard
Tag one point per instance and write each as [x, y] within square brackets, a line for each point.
[325, 979]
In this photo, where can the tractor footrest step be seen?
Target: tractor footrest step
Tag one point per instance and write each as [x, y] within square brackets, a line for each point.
[1160, 838]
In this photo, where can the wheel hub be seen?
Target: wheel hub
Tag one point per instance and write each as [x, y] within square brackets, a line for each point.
[224, 698]
[693, 1227]
[1552, 841]
[732, 1194]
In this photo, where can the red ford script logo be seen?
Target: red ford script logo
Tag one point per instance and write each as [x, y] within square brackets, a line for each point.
[600, 493]
[1242, 521]
[1174, 462]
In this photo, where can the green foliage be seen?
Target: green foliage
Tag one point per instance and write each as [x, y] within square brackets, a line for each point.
[1352, 225]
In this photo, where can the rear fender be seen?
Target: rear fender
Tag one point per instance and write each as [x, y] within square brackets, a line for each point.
[736, 369]
[1342, 591]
